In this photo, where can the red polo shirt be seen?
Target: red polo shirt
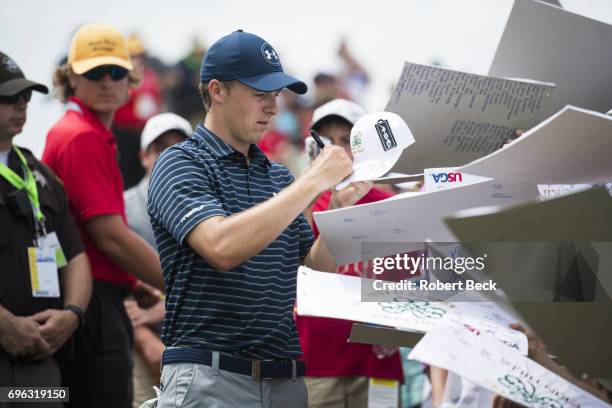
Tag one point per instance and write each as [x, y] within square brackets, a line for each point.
[83, 153]
[324, 341]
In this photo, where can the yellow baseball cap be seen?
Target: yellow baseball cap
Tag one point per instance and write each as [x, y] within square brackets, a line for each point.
[94, 45]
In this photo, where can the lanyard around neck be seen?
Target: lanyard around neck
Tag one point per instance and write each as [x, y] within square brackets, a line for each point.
[29, 184]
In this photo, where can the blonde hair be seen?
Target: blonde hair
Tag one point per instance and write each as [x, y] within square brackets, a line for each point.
[61, 82]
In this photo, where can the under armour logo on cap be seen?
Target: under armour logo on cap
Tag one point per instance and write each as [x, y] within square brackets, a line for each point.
[270, 54]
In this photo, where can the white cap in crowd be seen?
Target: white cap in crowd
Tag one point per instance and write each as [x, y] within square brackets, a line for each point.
[162, 123]
[340, 107]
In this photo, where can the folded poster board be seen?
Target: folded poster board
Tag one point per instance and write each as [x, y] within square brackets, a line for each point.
[407, 219]
[570, 147]
[559, 249]
[384, 336]
[578, 334]
[585, 216]
[548, 43]
[457, 117]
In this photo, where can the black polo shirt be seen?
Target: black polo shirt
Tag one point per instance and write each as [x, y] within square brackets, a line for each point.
[17, 234]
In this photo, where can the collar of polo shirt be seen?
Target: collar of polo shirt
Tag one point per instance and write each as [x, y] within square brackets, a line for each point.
[220, 148]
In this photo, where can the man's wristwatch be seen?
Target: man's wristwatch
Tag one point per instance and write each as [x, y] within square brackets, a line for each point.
[77, 311]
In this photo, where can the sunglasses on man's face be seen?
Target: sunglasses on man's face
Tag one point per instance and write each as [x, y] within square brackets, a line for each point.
[13, 99]
[116, 73]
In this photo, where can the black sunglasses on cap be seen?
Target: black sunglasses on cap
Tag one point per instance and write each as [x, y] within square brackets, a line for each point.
[13, 99]
[115, 72]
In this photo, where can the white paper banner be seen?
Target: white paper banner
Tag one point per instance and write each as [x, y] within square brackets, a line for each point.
[485, 361]
[337, 296]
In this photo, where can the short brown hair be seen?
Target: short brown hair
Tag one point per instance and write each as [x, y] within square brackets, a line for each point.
[63, 90]
[205, 95]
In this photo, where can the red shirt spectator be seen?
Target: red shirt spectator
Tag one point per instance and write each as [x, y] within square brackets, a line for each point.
[330, 355]
[272, 144]
[83, 153]
[145, 102]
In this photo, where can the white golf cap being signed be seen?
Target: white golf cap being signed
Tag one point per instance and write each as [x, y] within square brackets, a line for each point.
[377, 142]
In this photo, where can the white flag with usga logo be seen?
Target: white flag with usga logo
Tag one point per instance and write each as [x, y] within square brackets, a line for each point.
[377, 142]
[442, 178]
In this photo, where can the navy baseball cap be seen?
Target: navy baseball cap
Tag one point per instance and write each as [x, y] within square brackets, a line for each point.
[249, 59]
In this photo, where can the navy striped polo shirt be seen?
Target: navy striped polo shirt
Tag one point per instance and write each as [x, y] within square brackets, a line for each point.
[248, 310]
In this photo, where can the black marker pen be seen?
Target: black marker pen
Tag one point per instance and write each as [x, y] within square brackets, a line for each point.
[317, 139]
